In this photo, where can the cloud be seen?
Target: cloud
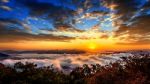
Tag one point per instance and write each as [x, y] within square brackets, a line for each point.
[65, 13]
[128, 20]
[58, 13]
[16, 35]
[5, 8]
[137, 33]
[65, 63]
[4, 1]
[134, 26]
[66, 27]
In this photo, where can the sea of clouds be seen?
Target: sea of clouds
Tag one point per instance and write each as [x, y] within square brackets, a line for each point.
[64, 62]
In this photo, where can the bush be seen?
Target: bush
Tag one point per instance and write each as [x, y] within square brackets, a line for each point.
[131, 70]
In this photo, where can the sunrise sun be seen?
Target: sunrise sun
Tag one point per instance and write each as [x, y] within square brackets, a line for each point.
[92, 46]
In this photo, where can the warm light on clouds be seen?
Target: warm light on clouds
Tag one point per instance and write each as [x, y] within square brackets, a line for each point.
[88, 25]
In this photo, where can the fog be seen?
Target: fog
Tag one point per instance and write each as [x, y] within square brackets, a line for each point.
[64, 62]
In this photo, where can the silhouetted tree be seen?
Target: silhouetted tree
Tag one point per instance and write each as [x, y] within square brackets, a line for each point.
[131, 70]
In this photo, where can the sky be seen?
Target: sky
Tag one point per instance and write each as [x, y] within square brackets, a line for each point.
[91, 25]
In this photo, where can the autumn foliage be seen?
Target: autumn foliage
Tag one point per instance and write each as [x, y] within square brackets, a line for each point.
[129, 70]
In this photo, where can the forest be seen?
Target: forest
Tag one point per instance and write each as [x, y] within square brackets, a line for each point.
[128, 70]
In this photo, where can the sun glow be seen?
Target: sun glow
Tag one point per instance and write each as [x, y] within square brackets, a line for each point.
[92, 46]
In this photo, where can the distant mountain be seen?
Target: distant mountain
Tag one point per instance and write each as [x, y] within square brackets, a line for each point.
[3, 55]
[47, 52]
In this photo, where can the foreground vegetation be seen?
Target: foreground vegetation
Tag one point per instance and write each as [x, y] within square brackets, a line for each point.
[131, 70]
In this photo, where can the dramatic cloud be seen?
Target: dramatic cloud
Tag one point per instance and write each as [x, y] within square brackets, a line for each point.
[131, 18]
[127, 20]
[135, 28]
[16, 35]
